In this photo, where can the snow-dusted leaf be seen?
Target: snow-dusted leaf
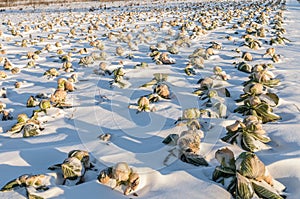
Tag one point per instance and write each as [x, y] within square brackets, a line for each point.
[10, 185]
[171, 139]
[263, 110]
[72, 168]
[270, 98]
[250, 166]
[264, 192]
[244, 187]
[196, 160]
[248, 143]
[261, 138]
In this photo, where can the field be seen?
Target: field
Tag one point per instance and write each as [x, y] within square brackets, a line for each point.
[199, 98]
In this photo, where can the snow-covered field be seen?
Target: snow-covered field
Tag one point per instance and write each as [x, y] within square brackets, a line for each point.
[113, 35]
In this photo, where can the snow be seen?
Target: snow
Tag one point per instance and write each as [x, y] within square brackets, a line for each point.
[137, 137]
